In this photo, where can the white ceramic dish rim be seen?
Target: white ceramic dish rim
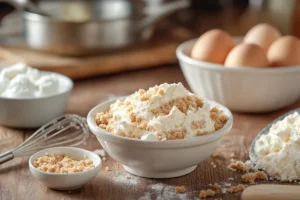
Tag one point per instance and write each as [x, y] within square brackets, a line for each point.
[99, 162]
[213, 66]
[161, 144]
[64, 78]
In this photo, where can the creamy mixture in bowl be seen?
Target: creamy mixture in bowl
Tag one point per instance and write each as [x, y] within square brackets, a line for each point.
[30, 98]
[278, 151]
[166, 122]
[164, 112]
[21, 81]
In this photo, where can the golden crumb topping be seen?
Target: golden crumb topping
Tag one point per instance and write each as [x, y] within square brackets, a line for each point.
[62, 164]
[175, 135]
[251, 177]
[198, 124]
[206, 193]
[180, 189]
[217, 187]
[182, 103]
[237, 188]
[239, 166]
[218, 117]
[165, 112]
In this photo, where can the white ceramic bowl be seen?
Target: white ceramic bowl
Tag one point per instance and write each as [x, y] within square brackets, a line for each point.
[35, 112]
[240, 89]
[66, 181]
[157, 159]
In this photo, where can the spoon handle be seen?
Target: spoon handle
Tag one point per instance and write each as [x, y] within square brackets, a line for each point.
[271, 192]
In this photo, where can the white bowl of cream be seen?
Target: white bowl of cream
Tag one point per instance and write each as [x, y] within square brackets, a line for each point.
[158, 159]
[169, 144]
[29, 98]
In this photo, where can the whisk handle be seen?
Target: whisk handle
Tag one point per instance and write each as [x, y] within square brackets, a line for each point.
[6, 157]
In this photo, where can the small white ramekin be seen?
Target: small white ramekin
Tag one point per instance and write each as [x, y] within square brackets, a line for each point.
[36, 111]
[240, 89]
[66, 181]
[158, 159]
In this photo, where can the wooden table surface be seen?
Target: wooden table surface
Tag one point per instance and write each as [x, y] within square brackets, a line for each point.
[17, 183]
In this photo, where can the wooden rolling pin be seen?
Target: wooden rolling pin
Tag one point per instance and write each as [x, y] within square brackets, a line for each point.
[271, 192]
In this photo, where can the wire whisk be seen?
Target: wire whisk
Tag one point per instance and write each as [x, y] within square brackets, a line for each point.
[66, 130]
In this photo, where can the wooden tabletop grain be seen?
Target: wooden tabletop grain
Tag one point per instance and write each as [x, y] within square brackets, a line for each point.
[17, 183]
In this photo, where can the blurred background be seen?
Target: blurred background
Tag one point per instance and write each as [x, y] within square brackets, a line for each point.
[73, 33]
[241, 14]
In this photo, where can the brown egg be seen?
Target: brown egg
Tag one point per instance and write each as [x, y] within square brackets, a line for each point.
[246, 55]
[213, 46]
[262, 35]
[284, 52]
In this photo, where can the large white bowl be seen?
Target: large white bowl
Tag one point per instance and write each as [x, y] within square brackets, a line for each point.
[66, 181]
[157, 159]
[35, 112]
[240, 89]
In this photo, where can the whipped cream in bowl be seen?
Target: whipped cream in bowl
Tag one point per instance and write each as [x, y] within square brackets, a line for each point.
[162, 132]
[21, 82]
[29, 97]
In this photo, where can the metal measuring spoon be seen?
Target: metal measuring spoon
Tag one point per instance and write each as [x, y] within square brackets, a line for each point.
[265, 131]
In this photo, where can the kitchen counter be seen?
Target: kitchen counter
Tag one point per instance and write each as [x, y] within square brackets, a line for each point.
[17, 183]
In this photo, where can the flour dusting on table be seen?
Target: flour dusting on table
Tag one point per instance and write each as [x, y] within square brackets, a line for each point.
[162, 191]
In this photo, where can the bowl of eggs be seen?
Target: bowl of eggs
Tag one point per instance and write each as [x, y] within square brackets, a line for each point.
[255, 73]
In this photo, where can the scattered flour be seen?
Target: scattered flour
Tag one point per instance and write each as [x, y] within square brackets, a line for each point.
[224, 190]
[125, 180]
[227, 184]
[162, 191]
[147, 196]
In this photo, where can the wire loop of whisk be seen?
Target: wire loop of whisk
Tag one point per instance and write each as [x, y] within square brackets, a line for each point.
[66, 130]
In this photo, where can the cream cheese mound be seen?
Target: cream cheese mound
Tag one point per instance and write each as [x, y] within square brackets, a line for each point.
[278, 152]
[164, 112]
[22, 81]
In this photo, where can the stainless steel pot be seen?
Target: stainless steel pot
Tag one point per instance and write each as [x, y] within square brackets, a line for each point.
[97, 25]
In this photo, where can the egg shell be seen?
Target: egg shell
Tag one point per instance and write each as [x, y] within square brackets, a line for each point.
[247, 55]
[262, 35]
[213, 46]
[284, 52]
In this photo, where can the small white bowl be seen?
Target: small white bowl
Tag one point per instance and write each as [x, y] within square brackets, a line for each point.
[157, 159]
[240, 89]
[66, 181]
[36, 111]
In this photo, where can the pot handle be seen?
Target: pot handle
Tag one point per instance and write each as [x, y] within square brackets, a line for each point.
[163, 11]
